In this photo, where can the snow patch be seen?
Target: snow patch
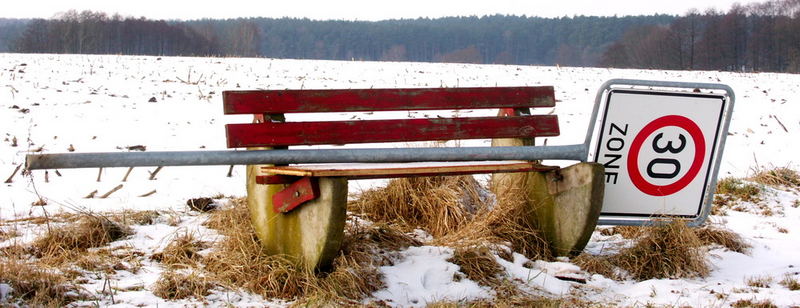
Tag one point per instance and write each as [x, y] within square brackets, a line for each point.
[423, 276]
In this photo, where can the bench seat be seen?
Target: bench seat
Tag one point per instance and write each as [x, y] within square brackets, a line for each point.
[393, 170]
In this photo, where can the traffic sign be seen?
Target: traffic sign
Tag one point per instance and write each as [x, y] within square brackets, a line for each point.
[660, 147]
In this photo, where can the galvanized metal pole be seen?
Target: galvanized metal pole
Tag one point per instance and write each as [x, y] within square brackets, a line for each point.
[257, 157]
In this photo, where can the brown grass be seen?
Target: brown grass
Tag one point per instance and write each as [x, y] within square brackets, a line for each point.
[181, 252]
[172, 285]
[436, 204]
[109, 261]
[627, 232]
[41, 220]
[35, 284]
[747, 303]
[738, 188]
[532, 302]
[238, 261]
[355, 273]
[730, 191]
[129, 217]
[371, 242]
[8, 233]
[669, 250]
[479, 264]
[780, 176]
[40, 273]
[759, 281]
[602, 264]
[790, 283]
[508, 223]
[509, 295]
[725, 238]
[46, 272]
[89, 231]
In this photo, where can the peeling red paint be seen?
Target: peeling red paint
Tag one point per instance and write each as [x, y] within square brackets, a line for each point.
[401, 130]
[299, 101]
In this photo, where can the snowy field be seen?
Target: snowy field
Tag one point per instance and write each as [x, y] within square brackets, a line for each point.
[57, 103]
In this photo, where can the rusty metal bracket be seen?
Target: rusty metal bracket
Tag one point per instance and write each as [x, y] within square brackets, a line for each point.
[276, 179]
[299, 192]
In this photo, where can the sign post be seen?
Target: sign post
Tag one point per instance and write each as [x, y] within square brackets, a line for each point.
[660, 144]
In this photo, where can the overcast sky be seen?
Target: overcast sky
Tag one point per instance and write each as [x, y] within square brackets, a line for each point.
[358, 9]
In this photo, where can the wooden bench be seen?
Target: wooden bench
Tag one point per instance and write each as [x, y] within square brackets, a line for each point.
[299, 210]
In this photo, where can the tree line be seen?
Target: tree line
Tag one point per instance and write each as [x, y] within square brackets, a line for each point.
[90, 32]
[10, 30]
[757, 37]
[500, 39]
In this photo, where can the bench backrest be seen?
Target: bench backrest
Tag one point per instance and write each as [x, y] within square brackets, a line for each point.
[279, 134]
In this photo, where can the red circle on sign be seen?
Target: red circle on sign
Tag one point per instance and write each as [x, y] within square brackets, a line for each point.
[633, 157]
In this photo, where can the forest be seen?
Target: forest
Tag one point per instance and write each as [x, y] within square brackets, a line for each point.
[757, 37]
[578, 41]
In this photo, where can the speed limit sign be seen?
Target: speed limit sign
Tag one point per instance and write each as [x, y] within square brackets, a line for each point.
[660, 147]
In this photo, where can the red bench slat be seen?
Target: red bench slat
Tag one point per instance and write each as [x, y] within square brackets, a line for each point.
[298, 101]
[369, 131]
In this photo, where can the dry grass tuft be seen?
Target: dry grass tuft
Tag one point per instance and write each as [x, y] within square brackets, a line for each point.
[666, 251]
[732, 190]
[790, 283]
[235, 215]
[238, 261]
[33, 284]
[107, 261]
[349, 282]
[355, 273]
[129, 217]
[479, 264]
[670, 250]
[738, 188]
[722, 237]
[41, 220]
[181, 252]
[509, 295]
[454, 212]
[780, 176]
[759, 281]
[172, 285]
[370, 243]
[8, 234]
[603, 265]
[89, 231]
[746, 303]
[438, 204]
[628, 232]
[508, 223]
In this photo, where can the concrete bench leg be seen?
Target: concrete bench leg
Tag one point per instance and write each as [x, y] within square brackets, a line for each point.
[310, 234]
[564, 204]
[568, 204]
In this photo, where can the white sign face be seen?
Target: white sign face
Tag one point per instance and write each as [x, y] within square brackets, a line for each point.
[658, 150]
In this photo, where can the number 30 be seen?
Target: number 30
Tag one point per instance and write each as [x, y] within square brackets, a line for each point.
[668, 161]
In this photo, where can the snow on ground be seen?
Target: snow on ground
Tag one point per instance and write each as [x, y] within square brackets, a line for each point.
[58, 103]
